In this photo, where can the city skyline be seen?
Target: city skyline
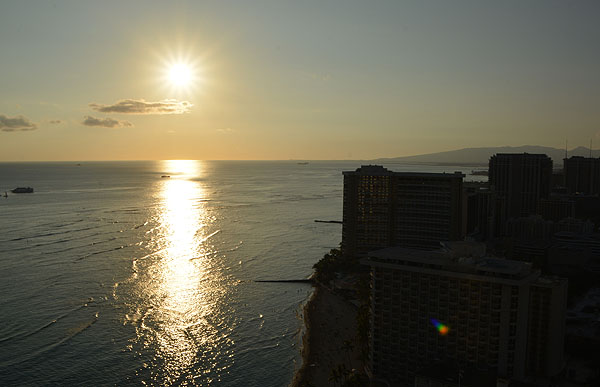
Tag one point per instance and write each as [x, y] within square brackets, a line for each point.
[271, 80]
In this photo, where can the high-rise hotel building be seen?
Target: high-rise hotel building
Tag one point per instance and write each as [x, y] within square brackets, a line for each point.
[498, 313]
[384, 208]
[520, 181]
[582, 175]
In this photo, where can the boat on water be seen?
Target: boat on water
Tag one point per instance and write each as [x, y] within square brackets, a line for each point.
[22, 190]
[479, 172]
[165, 176]
[303, 163]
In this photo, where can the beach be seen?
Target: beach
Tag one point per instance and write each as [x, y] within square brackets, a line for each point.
[329, 339]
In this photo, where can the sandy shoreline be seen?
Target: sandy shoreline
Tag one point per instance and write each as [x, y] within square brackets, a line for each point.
[329, 339]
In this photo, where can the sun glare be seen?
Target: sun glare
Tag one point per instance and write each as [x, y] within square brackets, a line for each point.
[180, 75]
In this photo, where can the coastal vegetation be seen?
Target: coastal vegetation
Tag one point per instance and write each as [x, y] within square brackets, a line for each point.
[334, 263]
[363, 317]
[335, 266]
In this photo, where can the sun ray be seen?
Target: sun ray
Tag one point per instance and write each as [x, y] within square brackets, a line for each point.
[181, 75]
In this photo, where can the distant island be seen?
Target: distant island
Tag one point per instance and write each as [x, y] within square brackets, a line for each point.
[481, 156]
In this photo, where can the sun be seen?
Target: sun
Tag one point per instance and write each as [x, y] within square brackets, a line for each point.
[180, 72]
[180, 75]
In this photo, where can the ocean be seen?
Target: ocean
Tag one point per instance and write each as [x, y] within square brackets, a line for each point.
[117, 273]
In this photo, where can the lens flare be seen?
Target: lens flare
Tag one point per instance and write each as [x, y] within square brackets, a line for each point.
[441, 328]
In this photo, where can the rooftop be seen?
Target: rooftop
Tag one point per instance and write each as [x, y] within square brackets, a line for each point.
[525, 154]
[378, 170]
[444, 259]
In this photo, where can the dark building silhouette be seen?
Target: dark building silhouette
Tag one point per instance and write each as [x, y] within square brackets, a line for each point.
[520, 181]
[558, 181]
[449, 374]
[475, 214]
[582, 175]
[546, 327]
[532, 238]
[556, 207]
[500, 313]
[535, 227]
[480, 217]
[587, 207]
[384, 208]
[581, 241]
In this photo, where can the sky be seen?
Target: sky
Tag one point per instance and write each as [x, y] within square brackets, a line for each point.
[278, 80]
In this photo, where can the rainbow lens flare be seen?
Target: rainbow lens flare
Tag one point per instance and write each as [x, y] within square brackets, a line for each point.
[441, 328]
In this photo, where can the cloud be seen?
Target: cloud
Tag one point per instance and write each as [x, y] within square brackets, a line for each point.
[13, 124]
[55, 122]
[140, 106]
[225, 131]
[105, 122]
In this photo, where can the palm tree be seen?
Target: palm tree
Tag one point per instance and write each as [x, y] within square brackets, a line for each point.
[348, 347]
[335, 376]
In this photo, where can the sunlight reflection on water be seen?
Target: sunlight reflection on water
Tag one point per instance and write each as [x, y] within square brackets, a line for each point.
[181, 293]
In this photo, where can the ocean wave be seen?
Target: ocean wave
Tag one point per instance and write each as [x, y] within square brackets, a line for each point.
[101, 252]
[49, 323]
[71, 333]
[71, 233]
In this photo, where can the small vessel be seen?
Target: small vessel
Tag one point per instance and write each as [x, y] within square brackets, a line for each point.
[480, 172]
[22, 190]
[165, 176]
[303, 163]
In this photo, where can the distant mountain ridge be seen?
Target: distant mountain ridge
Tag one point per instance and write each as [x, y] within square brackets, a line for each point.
[481, 156]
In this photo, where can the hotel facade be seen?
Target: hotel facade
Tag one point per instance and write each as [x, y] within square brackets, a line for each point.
[384, 208]
[499, 313]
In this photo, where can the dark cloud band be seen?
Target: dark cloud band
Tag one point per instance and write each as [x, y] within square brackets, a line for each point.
[105, 122]
[140, 106]
[14, 124]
